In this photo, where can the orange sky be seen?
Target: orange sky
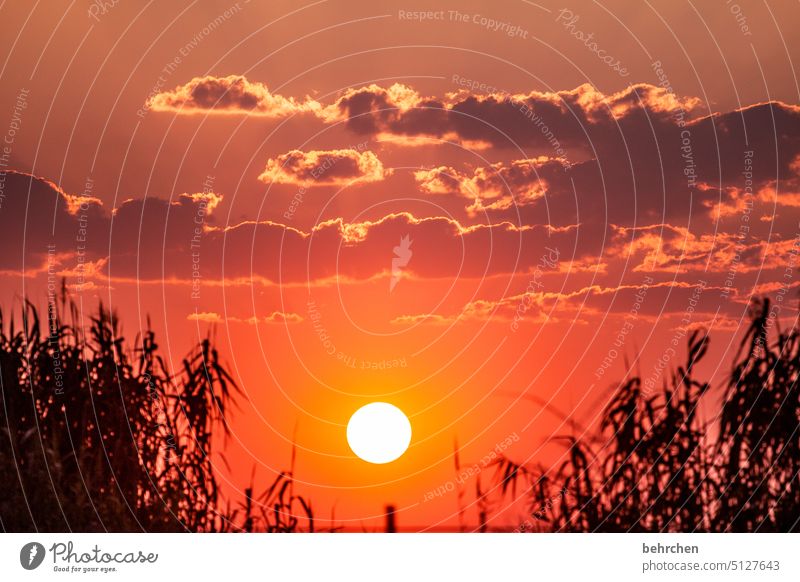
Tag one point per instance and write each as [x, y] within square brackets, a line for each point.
[250, 167]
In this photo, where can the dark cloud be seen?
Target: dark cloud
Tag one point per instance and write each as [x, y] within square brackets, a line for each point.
[232, 94]
[553, 122]
[38, 219]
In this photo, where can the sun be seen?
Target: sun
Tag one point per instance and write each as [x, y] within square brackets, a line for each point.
[379, 433]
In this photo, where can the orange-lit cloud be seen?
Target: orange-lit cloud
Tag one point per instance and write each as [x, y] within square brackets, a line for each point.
[552, 306]
[281, 317]
[205, 317]
[497, 187]
[324, 168]
[155, 239]
[272, 318]
[40, 220]
[672, 249]
[231, 94]
[554, 121]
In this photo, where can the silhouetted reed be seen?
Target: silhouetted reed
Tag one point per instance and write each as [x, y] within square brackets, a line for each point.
[659, 467]
[98, 436]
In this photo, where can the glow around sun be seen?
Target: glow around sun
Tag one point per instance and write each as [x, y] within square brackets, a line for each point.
[379, 433]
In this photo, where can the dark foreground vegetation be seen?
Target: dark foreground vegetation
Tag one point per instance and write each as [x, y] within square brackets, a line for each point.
[657, 465]
[97, 434]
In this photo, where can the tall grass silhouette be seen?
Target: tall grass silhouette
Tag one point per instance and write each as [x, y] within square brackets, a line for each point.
[96, 435]
[659, 467]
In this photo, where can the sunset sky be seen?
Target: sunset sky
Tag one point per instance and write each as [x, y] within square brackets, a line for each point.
[484, 213]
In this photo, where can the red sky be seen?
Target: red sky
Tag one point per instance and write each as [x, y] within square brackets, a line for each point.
[251, 168]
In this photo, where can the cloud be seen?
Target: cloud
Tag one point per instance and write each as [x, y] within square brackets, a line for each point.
[40, 223]
[641, 132]
[149, 230]
[207, 200]
[704, 176]
[205, 316]
[272, 318]
[154, 239]
[552, 121]
[42, 227]
[281, 317]
[324, 168]
[672, 249]
[641, 155]
[232, 94]
[554, 306]
[340, 250]
[496, 187]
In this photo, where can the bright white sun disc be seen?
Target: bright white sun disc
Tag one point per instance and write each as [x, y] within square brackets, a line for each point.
[379, 433]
